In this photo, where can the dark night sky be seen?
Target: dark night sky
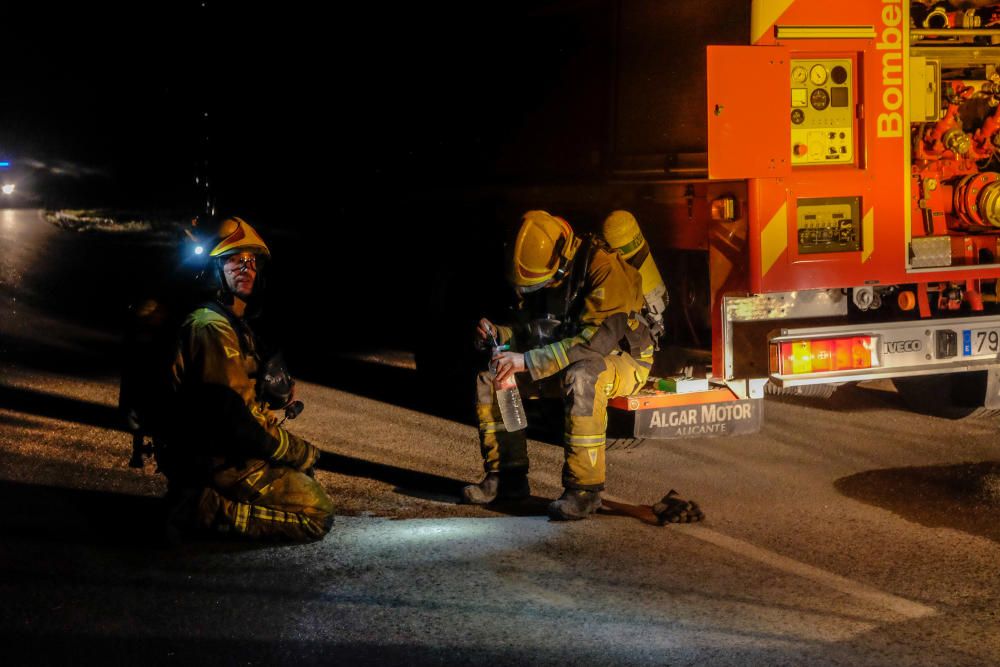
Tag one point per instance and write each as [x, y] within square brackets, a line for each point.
[92, 99]
[321, 124]
[354, 104]
[103, 102]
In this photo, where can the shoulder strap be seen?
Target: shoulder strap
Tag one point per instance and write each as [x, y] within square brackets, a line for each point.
[243, 331]
[578, 278]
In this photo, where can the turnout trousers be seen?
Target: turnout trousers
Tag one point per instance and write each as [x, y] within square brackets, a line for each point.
[261, 500]
[587, 386]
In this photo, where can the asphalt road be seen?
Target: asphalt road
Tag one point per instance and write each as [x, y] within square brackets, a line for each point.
[847, 532]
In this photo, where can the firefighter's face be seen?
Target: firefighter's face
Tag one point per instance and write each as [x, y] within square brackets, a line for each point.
[240, 272]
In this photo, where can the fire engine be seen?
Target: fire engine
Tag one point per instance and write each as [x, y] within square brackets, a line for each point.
[819, 183]
[850, 209]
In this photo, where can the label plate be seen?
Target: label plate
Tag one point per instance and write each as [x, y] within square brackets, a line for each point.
[698, 421]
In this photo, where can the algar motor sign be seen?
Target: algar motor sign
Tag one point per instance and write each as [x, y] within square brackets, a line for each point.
[730, 418]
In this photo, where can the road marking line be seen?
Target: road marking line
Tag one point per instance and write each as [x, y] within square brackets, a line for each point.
[894, 603]
[901, 606]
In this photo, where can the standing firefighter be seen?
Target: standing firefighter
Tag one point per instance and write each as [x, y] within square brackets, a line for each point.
[581, 304]
[230, 466]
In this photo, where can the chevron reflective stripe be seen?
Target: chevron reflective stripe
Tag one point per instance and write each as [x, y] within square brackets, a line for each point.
[282, 445]
[868, 235]
[588, 333]
[585, 440]
[645, 364]
[763, 15]
[492, 427]
[774, 240]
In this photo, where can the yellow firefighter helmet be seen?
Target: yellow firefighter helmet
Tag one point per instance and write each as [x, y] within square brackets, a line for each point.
[544, 247]
[236, 235]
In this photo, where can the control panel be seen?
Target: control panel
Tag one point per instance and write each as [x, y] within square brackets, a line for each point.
[822, 111]
[829, 224]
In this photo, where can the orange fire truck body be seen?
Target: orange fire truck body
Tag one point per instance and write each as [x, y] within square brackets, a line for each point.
[852, 207]
[868, 149]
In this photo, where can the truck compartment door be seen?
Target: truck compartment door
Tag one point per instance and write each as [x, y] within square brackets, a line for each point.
[748, 123]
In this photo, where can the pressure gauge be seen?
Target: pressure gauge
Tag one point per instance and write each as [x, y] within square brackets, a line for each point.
[819, 99]
[817, 75]
[799, 74]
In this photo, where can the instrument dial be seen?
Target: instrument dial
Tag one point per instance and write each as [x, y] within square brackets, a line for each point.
[817, 75]
[819, 99]
[799, 74]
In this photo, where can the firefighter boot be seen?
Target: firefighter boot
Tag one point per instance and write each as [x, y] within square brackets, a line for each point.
[575, 504]
[498, 486]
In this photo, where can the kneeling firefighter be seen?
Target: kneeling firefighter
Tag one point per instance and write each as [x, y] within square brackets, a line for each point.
[230, 466]
[580, 308]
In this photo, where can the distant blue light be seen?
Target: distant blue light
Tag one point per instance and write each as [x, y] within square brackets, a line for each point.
[4, 165]
[199, 250]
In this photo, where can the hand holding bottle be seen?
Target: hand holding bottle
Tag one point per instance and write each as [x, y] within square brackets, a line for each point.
[505, 364]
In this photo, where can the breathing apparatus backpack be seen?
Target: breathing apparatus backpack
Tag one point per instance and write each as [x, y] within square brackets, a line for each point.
[146, 391]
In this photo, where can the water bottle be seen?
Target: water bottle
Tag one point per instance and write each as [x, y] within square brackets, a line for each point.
[509, 399]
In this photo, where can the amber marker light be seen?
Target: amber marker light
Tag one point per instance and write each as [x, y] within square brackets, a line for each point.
[907, 300]
[724, 208]
[825, 355]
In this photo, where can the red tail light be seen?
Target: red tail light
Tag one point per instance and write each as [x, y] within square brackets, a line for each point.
[823, 355]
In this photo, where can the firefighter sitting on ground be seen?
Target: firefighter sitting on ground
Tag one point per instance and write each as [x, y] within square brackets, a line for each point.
[230, 466]
[589, 331]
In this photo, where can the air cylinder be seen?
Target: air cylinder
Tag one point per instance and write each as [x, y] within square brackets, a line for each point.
[621, 232]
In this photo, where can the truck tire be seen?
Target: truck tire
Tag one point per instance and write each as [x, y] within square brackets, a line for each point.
[805, 391]
[951, 396]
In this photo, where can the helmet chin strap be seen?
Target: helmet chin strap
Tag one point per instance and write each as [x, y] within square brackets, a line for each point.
[224, 295]
[566, 255]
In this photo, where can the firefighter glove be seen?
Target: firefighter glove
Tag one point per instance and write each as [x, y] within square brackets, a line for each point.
[674, 509]
[300, 454]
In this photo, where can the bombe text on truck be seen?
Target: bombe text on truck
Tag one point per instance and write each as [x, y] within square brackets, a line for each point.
[890, 121]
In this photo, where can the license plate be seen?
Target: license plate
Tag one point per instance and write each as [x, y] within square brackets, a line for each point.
[979, 342]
